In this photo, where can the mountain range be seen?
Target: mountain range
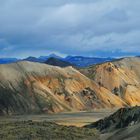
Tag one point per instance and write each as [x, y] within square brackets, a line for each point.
[78, 61]
[31, 87]
[81, 61]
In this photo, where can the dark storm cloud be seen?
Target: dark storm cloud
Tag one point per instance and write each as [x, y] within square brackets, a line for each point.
[85, 27]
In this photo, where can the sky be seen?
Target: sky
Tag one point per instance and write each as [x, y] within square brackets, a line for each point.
[103, 28]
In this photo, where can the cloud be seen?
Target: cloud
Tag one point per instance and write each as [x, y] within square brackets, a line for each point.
[91, 27]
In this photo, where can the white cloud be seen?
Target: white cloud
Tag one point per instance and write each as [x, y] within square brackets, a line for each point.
[72, 26]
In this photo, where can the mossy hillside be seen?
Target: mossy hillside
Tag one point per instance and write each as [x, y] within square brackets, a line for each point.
[29, 130]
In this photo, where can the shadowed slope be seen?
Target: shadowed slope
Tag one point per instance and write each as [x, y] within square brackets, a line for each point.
[122, 125]
[57, 62]
[124, 117]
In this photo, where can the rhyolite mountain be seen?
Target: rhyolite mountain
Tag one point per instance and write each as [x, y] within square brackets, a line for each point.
[58, 62]
[30, 87]
[121, 77]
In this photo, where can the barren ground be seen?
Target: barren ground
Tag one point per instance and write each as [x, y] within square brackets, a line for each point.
[74, 118]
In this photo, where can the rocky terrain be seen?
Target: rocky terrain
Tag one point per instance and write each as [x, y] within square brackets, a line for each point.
[122, 125]
[121, 77]
[127, 133]
[124, 117]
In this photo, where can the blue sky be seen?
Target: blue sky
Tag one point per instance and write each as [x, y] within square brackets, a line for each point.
[69, 27]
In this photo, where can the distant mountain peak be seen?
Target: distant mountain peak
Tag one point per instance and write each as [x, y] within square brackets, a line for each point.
[58, 62]
[50, 55]
[54, 55]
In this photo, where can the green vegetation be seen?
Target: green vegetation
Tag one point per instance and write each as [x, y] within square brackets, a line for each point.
[30, 130]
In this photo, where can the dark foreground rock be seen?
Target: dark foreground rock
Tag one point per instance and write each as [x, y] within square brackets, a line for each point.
[123, 118]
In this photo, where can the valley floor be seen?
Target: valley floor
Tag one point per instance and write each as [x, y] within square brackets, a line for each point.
[62, 126]
[69, 119]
